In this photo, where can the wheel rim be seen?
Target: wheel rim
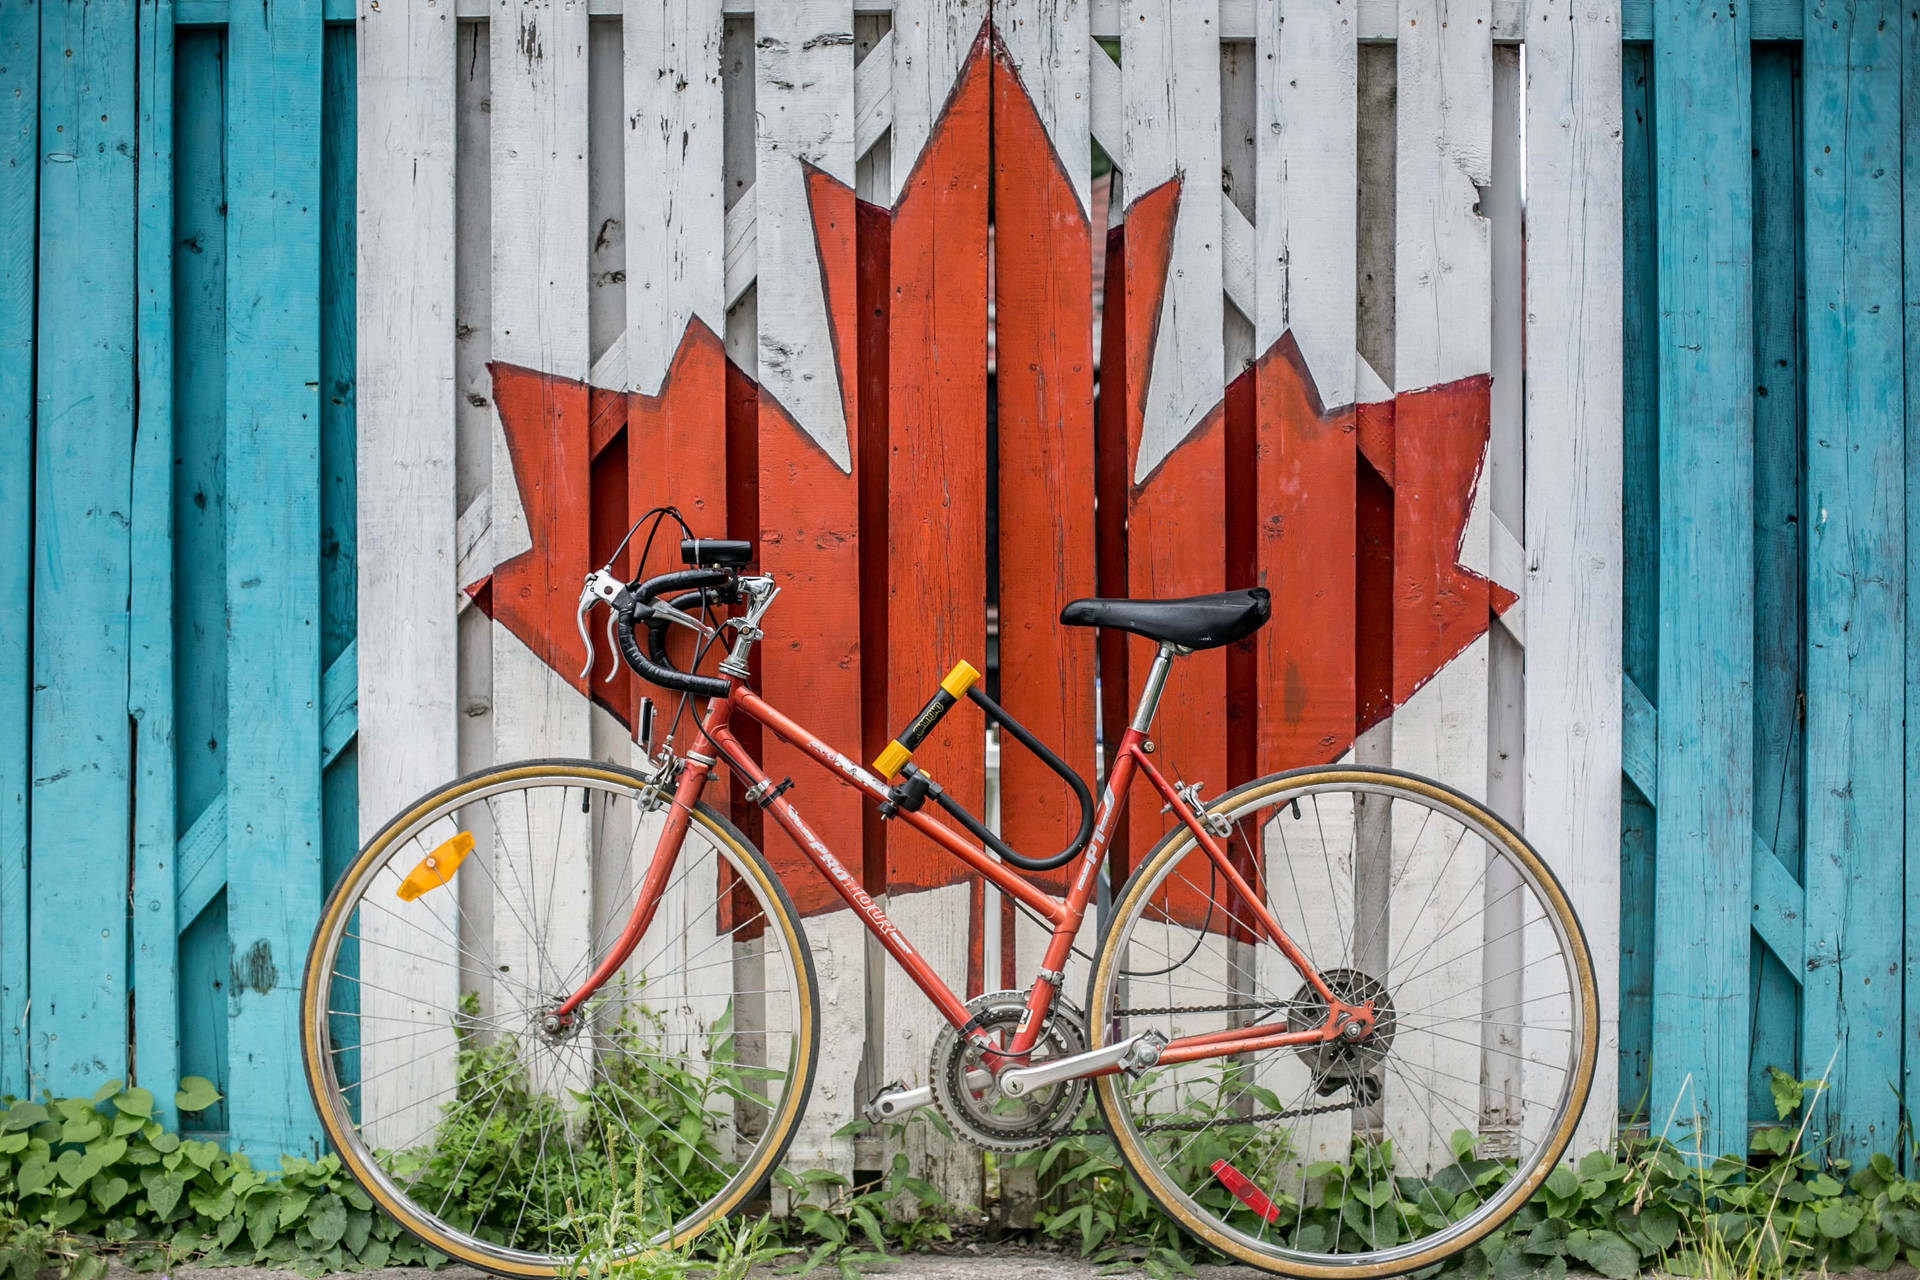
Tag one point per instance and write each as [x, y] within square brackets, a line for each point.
[1505, 911]
[456, 1101]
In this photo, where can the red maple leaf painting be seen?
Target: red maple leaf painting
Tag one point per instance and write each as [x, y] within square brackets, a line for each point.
[902, 286]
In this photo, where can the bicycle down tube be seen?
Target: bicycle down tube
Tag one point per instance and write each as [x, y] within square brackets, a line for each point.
[1064, 915]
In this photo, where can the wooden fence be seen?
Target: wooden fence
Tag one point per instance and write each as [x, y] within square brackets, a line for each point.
[176, 472]
[1770, 825]
[1377, 366]
[739, 261]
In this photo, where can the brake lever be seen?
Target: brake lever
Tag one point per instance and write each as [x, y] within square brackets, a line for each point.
[600, 586]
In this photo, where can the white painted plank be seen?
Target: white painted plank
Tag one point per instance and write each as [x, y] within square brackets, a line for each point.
[1171, 53]
[1304, 253]
[1573, 517]
[1304, 264]
[803, 83]
[804, 112]
[540, 321]
[1442, 321]
[405, 495]
[675, 202]
[473, 465]
[1503, 1086]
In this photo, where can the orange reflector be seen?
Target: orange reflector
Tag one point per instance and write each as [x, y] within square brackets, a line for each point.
[437, 867]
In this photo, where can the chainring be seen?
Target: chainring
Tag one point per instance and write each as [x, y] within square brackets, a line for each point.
[1340, 1062]
[975, 1107]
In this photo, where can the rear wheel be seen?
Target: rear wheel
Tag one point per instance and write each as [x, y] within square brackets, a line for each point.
[1380, 1155]
[494, 1132]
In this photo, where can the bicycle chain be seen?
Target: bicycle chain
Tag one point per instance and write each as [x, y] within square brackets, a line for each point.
[1194, 1126]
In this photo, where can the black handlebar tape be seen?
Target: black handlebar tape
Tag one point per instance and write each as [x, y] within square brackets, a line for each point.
[664, 676]
[957, 681]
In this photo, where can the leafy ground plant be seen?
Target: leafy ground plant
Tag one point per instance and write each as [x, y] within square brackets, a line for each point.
[79, 1176]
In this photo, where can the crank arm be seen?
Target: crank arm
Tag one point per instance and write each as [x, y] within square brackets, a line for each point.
[1133, 1055]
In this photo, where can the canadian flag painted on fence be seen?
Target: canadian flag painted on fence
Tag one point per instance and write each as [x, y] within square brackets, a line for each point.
[1303, 373]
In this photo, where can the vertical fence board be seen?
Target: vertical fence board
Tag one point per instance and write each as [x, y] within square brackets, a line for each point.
[1704, 840]
[1574, 457]
[1443, 335]
[937, 501]
[84, 435]
[1855, 521]
[1910, 312]
[538, 167]
[19, 171]
[808, 487]
[675, 269]
[1173, 366]
[1306, 263]
[1640, 581]
[156, 942]
[273, 537]
[408, 660]
[199, 529]
[1779, 580]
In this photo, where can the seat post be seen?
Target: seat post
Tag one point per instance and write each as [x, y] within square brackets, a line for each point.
[1156, 682]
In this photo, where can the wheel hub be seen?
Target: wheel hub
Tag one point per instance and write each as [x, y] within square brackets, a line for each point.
[974, 1104]
[1355, 1057]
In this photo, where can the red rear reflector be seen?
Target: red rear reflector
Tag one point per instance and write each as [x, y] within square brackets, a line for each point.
[1244, 1191]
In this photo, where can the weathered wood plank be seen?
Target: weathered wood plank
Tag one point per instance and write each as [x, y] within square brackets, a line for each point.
[406, 521]
[936, 495]
[1910, 196]
[1639, 571]
[1306, 200]
[1702, 139]
[1176, 533]
[274, 889]
[1574, 456]
[540, 359]
[19, 189]
[200, 542]
[84, 436]
[1779, 550]
[1856, 532]
[150, 695]
[808, 486]
[1443, 335]
[1044, 385]
[675, 269]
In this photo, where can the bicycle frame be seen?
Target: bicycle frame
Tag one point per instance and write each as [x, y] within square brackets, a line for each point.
[1064, 915]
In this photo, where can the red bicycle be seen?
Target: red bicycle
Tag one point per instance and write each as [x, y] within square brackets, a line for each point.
[1339, 1021]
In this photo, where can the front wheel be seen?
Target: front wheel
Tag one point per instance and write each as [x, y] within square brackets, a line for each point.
[511, 1139]
[1349, 1158]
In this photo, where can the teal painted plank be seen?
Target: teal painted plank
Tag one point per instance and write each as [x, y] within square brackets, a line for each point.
[274, 811]
[1640, 566]
[202, 862]
[1779, 615]
[1639, 737]
[1910, 198]
[156, 943]
[199, 539]
[214, 12]
[19, 112]
[1856, 566]
[340, 711]
[199, 399]
[1704, 841]
[1772, 19]
[84, 388]
[1779, 917]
